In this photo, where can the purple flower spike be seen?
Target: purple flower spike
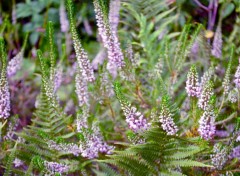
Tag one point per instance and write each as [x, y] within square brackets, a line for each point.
[166, 118]
[205, 96]
[4, 99]
[82, 90]
[192, 84]
[207, 127]
[220, 156]
[15, 64]
[63, 18]
[55, 167]
[235, 152]
[135, 120]
[114, 14]
[109, 38]
[217, 43]
[237, 76]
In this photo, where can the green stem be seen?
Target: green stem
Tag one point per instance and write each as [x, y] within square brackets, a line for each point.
[194, 109]
[220, 108]
[226, 120]
[1, 127]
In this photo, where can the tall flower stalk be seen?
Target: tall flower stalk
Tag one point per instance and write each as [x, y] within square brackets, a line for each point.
[4, 88]
[63, 17]
[192, 84]
[81, 90]
[206, 77]
[226, 81]
[92, 142]
[84, 64]
[237, 76]
[207, 93]
[217, 43]
[114, 14]
[207, 127]
[166, 118]
[135, 120]
[109, 37]
[15, 63]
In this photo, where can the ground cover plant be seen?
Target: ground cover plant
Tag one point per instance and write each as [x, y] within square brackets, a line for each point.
[120, 87]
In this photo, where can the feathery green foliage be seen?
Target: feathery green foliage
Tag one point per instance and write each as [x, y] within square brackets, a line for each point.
[141, 118]
[9, 164]
[159, 153]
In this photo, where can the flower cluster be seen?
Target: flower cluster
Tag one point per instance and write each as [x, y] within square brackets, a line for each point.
[129, 53]
[84, 64]
[206, 77]
[66, 148]
[63, 18]
[81, 121]
[55, 167]
[237, 76]
[94, 143]
[192, 84]
[81, 90]
[110, 39]
[4, 98]
[12, 126]
[58, 78]
[114, 14]
[235, 152]
[15, 64]
[49, 88]
[135, 120]
[217, 43]
[233, 96]
[17, 162]
[4, 88]
[220, 156]
[166, 119]
[206, 94]
[221, 133]
[207, 127]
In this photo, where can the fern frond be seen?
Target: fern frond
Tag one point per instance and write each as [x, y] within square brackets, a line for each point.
[52, 49]
[184, 46]
[8, 169]
[226, 80]
[184, 154]
[186, 163]
[159, 154]
[105, 170]
[30, 169]
[3, 59]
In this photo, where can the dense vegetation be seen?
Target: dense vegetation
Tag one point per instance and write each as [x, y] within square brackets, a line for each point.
[129, 87]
